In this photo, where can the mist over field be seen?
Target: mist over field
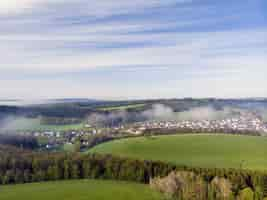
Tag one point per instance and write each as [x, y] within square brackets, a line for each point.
[156, 112]
[159, 112]
[263, 114]
[206, 113]
[13, 123]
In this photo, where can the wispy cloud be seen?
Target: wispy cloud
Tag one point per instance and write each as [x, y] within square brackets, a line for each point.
[169, 43]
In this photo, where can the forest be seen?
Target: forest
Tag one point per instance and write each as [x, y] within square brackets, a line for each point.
[24, 166]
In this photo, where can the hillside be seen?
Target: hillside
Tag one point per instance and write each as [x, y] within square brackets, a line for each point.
[220, 151]
[78, 190]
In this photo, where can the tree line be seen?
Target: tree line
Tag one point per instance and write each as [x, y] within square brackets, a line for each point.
[21, 141]
[19, 166]
[165, 131]
[182, 185]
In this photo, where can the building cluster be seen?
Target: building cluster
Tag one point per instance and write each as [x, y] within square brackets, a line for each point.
[243, 123]
[57, 138]
[59, 134]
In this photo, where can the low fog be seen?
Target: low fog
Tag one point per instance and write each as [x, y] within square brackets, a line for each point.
[263, 114]
[160, 112]
[157, 112]
[13, 123]
[206, 113]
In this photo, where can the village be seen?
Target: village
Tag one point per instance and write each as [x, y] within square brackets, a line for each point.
[245, 123]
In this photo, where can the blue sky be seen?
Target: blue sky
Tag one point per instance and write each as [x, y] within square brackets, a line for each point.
[133, 49]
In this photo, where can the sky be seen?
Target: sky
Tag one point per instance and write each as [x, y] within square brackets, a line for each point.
[133, 49]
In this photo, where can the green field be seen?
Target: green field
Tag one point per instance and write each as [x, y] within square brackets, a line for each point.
[221, 151]
[68, 148]
[59, 127]
[78, 190]
[113, 108]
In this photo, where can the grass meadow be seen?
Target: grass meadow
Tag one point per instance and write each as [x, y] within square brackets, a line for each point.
[203, 150]
[79, 190]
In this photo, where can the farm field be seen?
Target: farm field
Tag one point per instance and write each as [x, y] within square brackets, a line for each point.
[113, 108]
[79, 190]
[220, 151]
[60, 127]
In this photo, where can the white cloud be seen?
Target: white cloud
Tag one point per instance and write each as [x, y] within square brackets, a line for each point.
[50, 40]
[17, 6]
[58, 51]
[103, 7]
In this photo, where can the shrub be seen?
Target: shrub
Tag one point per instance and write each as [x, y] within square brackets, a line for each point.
[246, 194]
[220, 188]
[181, 185]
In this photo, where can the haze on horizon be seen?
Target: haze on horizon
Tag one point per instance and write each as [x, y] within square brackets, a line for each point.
[133, 49]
